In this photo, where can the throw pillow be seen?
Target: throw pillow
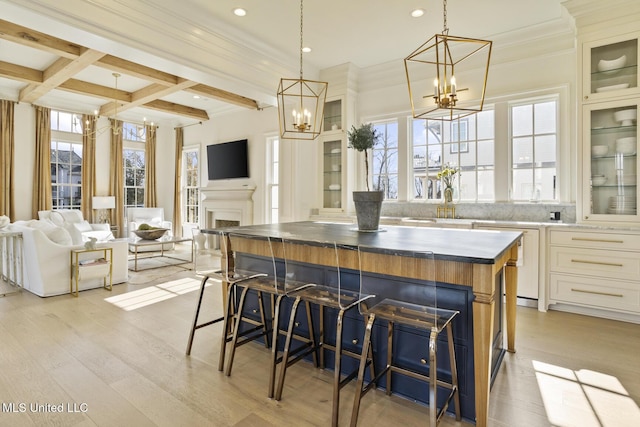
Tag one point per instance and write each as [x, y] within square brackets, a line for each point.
[60, 236]
[83, 226]
[56, 218]
[72, 215]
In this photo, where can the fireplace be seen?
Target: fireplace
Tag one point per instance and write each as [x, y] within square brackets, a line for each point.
[226, 205]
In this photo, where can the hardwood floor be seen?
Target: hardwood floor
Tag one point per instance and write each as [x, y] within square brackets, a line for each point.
[117, 359]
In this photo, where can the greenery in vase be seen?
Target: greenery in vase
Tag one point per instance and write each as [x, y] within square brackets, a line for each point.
[364, 138]
[447, 175]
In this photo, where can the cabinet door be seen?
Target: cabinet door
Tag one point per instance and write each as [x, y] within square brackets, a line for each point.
[610, 68]
[332, 115]
[610, 182]
[332, 174]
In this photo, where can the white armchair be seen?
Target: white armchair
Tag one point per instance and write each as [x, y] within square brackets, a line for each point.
[80, 229]
[152, 216]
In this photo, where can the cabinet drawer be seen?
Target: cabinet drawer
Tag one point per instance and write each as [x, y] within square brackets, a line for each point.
[595, 262]
[595, 240]
[595, 292]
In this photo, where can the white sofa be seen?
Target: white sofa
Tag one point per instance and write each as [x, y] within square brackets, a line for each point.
[153, 217]
[46, 260]
[79, 228]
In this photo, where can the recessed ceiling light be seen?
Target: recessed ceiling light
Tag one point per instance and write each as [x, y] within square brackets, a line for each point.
[196, 96]
[238, 11]
[306, 49]
[417, 13]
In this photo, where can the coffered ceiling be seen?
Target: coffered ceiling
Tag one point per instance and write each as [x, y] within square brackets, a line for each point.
[63, 53]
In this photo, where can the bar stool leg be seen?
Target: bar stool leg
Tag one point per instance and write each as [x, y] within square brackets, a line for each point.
[454, 371]
[274, 344]
[228, 315]
[336, 371]
[265, 329]
[287, 346]
[236, 330]
[366, 343]
[195, 318]
[389, 355]
[433, 378]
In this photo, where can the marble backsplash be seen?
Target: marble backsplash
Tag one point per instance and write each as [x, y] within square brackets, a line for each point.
[534, 212]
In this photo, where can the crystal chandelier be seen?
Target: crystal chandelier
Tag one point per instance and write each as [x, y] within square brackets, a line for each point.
[439, 58]
[301, 103]
[133, 133]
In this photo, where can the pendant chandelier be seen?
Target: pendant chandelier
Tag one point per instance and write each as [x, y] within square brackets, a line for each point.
[431, 75]
[301, 103]
[131, 131]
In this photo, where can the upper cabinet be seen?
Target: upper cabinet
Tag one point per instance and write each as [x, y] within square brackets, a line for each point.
[332, 116]
[610, 68]
[332, 154]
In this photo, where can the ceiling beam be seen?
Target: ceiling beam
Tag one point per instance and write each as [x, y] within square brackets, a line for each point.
[59, 72]
[147, 94]
[182, 110]
[222, 95]
[132, 69]
[20, 73]
[91, 89]
[35, 39]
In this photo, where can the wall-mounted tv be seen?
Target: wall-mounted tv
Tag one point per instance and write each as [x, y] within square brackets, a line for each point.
[228, 160]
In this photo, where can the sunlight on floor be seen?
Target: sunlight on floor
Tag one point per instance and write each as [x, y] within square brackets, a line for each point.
[584, 398]
[156, 293]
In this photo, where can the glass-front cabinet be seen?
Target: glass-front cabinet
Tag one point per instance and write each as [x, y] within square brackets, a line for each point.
[332, 115]
[610, 68]
[610, 168]
[332, 174]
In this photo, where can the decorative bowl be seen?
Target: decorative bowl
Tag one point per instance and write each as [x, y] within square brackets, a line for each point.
[612, 64]
[626, 117]
[626, 145]
[599, 150]
[598, 179]
[153, 234]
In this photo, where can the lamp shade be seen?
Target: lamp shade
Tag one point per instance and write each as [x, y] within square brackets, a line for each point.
[103, 202]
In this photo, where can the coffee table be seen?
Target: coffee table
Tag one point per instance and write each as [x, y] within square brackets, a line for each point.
[135, 243]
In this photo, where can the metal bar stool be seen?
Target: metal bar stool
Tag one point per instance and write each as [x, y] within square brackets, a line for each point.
[226, 274]
[415, 306]
[278, 288]
[325, 296]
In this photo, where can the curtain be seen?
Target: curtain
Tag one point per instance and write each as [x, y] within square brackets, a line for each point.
[150, 195]
[116, 185]
[41, 199]
[177, 184]
[88, 165]
[7, 205]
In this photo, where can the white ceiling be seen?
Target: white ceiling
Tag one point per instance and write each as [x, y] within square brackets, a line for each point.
[201, 40]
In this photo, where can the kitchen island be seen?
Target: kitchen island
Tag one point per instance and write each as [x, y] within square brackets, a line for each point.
[471, 264]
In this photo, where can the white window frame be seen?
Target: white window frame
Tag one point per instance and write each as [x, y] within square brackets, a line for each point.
[273, 150]
[184, 197]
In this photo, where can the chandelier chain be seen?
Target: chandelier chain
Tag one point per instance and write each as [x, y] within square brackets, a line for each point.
[445, 29]
[301, 43]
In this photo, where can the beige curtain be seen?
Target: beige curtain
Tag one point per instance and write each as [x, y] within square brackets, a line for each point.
[177, 184]
[88, 165]
[150, 194]
[116, 185]
[7, 206]
[41, 199]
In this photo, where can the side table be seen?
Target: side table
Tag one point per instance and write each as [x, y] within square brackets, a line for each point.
[84, 265]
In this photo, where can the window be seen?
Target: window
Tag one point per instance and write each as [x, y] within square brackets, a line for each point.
[134, 166]
[384, 159]
[534, 137]
[191, 177]
[66, 160]
[467, 144]
[273, 144]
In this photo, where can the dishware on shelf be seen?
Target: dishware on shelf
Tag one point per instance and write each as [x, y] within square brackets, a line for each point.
[335, 168]
[625, 117]
[334, 187]
[598, 179]
[599, 150]
[612, 65]
[336, 150]
[612, 87]
[626, 145]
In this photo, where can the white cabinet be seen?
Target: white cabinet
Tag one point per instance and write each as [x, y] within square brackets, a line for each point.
[528, 261]
[610, 162]
[332, 174]
[594, 269]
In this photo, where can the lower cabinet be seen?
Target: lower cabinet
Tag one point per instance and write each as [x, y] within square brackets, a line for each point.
[595, 270]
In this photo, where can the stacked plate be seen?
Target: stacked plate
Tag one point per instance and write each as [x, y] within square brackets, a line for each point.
[622, 205]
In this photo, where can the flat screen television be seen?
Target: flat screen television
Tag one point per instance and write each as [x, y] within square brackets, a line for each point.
[228, 160]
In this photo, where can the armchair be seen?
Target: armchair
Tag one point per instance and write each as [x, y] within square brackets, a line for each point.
[152, 216]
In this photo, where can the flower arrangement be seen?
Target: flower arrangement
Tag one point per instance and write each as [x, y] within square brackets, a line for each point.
[447, 175]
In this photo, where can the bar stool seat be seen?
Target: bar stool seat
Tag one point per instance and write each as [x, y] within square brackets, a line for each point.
[414, 306]
[333, 297]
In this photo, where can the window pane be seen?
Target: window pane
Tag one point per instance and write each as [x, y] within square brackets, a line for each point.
[545, 149]
[522, 120]
[545, 117]
[522, 184]
[522, 152]
[64, 121]
[485, 185]
[384, 159]
[485, 124]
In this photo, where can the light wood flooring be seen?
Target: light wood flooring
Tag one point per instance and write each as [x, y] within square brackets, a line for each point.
[118, 359]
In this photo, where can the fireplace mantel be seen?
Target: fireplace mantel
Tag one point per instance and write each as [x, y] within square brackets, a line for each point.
[228, 202]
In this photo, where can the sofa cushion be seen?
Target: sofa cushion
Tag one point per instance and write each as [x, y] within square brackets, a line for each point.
[83, 226]
[56, 218]
[56, 234]
[72, 215]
